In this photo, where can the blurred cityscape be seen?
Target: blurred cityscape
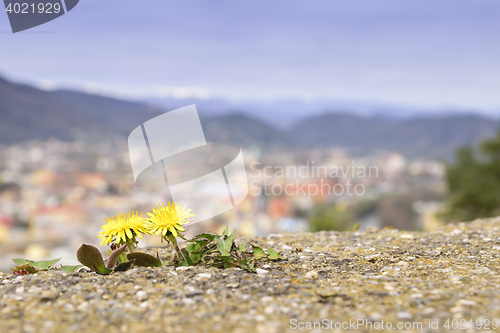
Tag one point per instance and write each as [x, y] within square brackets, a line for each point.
[54, 195]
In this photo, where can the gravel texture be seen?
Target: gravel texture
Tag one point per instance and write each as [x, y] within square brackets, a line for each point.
[377, 277]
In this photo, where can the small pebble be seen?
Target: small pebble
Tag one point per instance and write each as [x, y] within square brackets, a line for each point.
[203, 276]
[141, 296]
[312, 275]
[466, 302]
[188, 301]
[404, 315]
[183, 268]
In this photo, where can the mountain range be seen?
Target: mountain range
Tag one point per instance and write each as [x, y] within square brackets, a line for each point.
[28, 113]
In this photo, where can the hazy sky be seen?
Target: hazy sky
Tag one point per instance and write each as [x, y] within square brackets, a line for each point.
[422, 53]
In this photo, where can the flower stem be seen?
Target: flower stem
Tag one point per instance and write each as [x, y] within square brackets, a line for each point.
[130, 245]
[176, 247]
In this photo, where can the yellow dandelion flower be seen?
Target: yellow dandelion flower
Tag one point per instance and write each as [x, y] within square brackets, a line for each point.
[164, 219]
[122, 228]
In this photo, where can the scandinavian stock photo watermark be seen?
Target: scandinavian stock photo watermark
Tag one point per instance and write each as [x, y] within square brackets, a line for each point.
[311, 180]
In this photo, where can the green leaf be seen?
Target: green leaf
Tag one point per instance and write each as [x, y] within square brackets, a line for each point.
[222, 246]
[144, 259]
[113, 258]
[220, 251]
[90, 256]
[22, 261]
[273, 255]
[228, 261]
[229, 241]
[195, 258]
[43, 265]
[204, 244]
[185, 254]
[208, 236]
[24, 269]
[70, 269]
[248, 265]
[258, 252]
[122, 258]
[123, 266]
[242, 247]
[193, 248]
